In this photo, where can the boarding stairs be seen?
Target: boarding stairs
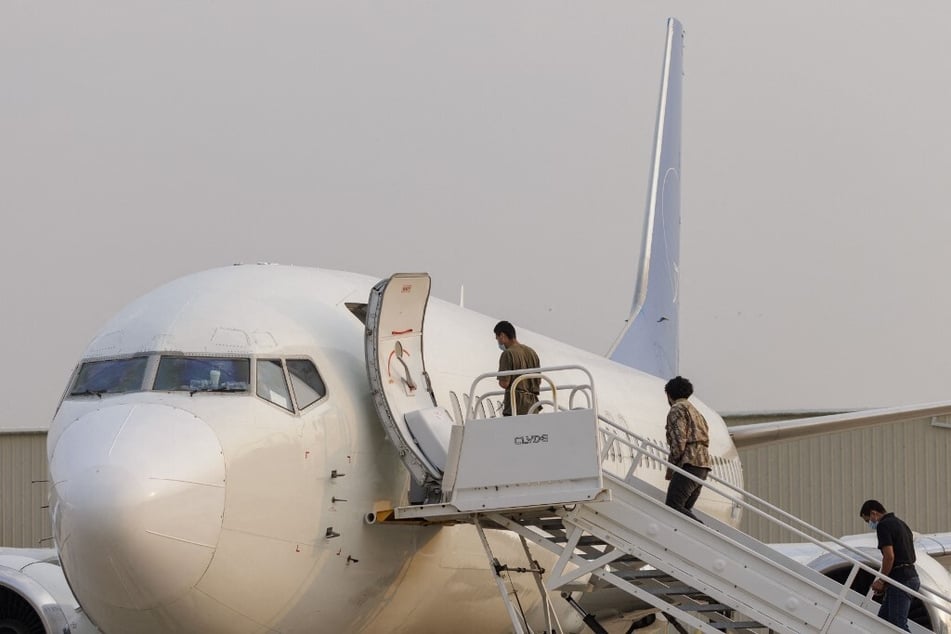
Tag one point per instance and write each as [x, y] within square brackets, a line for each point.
[576, 484]
[653, 586]
[609, 527]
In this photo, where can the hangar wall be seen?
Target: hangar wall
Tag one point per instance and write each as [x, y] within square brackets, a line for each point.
[824, 480]
[24, 520]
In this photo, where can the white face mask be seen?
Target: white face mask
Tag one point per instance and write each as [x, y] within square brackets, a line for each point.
[501, 347]
[872, 524]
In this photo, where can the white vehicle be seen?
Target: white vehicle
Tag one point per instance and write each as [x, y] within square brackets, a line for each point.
[219, 464]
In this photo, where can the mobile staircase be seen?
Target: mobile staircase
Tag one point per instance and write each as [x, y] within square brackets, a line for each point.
[555, 478]
[548, 478]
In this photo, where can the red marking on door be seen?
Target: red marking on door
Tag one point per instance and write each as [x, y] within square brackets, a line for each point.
[406, 288]
[401, 332]
[306, 454]
[389, 359]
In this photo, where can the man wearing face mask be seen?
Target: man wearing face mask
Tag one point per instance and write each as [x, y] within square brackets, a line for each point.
[516, 356]
[898, 561]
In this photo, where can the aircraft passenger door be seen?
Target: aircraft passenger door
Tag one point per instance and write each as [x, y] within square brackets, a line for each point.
[396, 310]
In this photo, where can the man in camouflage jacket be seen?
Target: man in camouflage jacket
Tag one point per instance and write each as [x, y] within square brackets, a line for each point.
[689, 440]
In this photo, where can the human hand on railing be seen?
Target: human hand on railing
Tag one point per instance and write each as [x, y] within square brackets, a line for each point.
[878, 586]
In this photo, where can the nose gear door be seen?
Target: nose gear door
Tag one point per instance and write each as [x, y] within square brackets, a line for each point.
[396, 310]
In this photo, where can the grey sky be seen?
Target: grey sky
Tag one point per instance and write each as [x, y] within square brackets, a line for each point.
[485, 142]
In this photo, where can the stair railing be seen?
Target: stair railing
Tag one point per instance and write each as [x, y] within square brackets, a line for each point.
[644, 447]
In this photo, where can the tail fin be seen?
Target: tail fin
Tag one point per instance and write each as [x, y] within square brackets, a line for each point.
[649, 341]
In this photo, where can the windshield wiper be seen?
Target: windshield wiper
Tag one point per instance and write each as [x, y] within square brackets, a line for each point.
[88, 393]
[223, 388]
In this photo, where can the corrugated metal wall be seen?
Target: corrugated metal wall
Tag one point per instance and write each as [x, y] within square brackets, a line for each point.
[824, 480]
[23, 490]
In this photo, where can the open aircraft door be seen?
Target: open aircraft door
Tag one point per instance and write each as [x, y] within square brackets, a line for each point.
[396, 310]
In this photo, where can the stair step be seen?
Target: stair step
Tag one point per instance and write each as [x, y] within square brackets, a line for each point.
[587, 540]
[677, 590]
[652, 573]
[737, 625]
[705, 607]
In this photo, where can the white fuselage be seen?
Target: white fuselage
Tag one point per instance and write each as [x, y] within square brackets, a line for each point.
[224, 512]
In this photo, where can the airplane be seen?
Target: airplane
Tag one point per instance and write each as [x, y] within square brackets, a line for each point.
[218, 461]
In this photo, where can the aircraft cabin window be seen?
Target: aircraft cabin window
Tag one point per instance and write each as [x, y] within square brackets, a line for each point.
[112, 376]
[202, 374]
[305, 379]
[272, 386]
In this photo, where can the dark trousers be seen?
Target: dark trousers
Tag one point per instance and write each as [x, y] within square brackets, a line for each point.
[897, 602]
[523, 402]
[682, 493]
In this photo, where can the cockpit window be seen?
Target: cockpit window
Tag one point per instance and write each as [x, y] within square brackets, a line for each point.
[203, 374]
[305, 379]
[272, 386]
[111, 376]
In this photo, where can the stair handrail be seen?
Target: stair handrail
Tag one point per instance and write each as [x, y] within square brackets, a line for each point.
[574, 390]
[741, 500]
[535, 373]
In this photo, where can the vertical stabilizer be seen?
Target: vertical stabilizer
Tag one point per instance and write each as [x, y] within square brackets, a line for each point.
[649, 341]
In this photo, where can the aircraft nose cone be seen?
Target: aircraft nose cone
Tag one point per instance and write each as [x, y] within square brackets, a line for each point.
[138, 498]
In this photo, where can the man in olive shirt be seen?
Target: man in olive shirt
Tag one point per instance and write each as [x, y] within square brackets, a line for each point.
[516, 356]
[689, 440]
[898, 562]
